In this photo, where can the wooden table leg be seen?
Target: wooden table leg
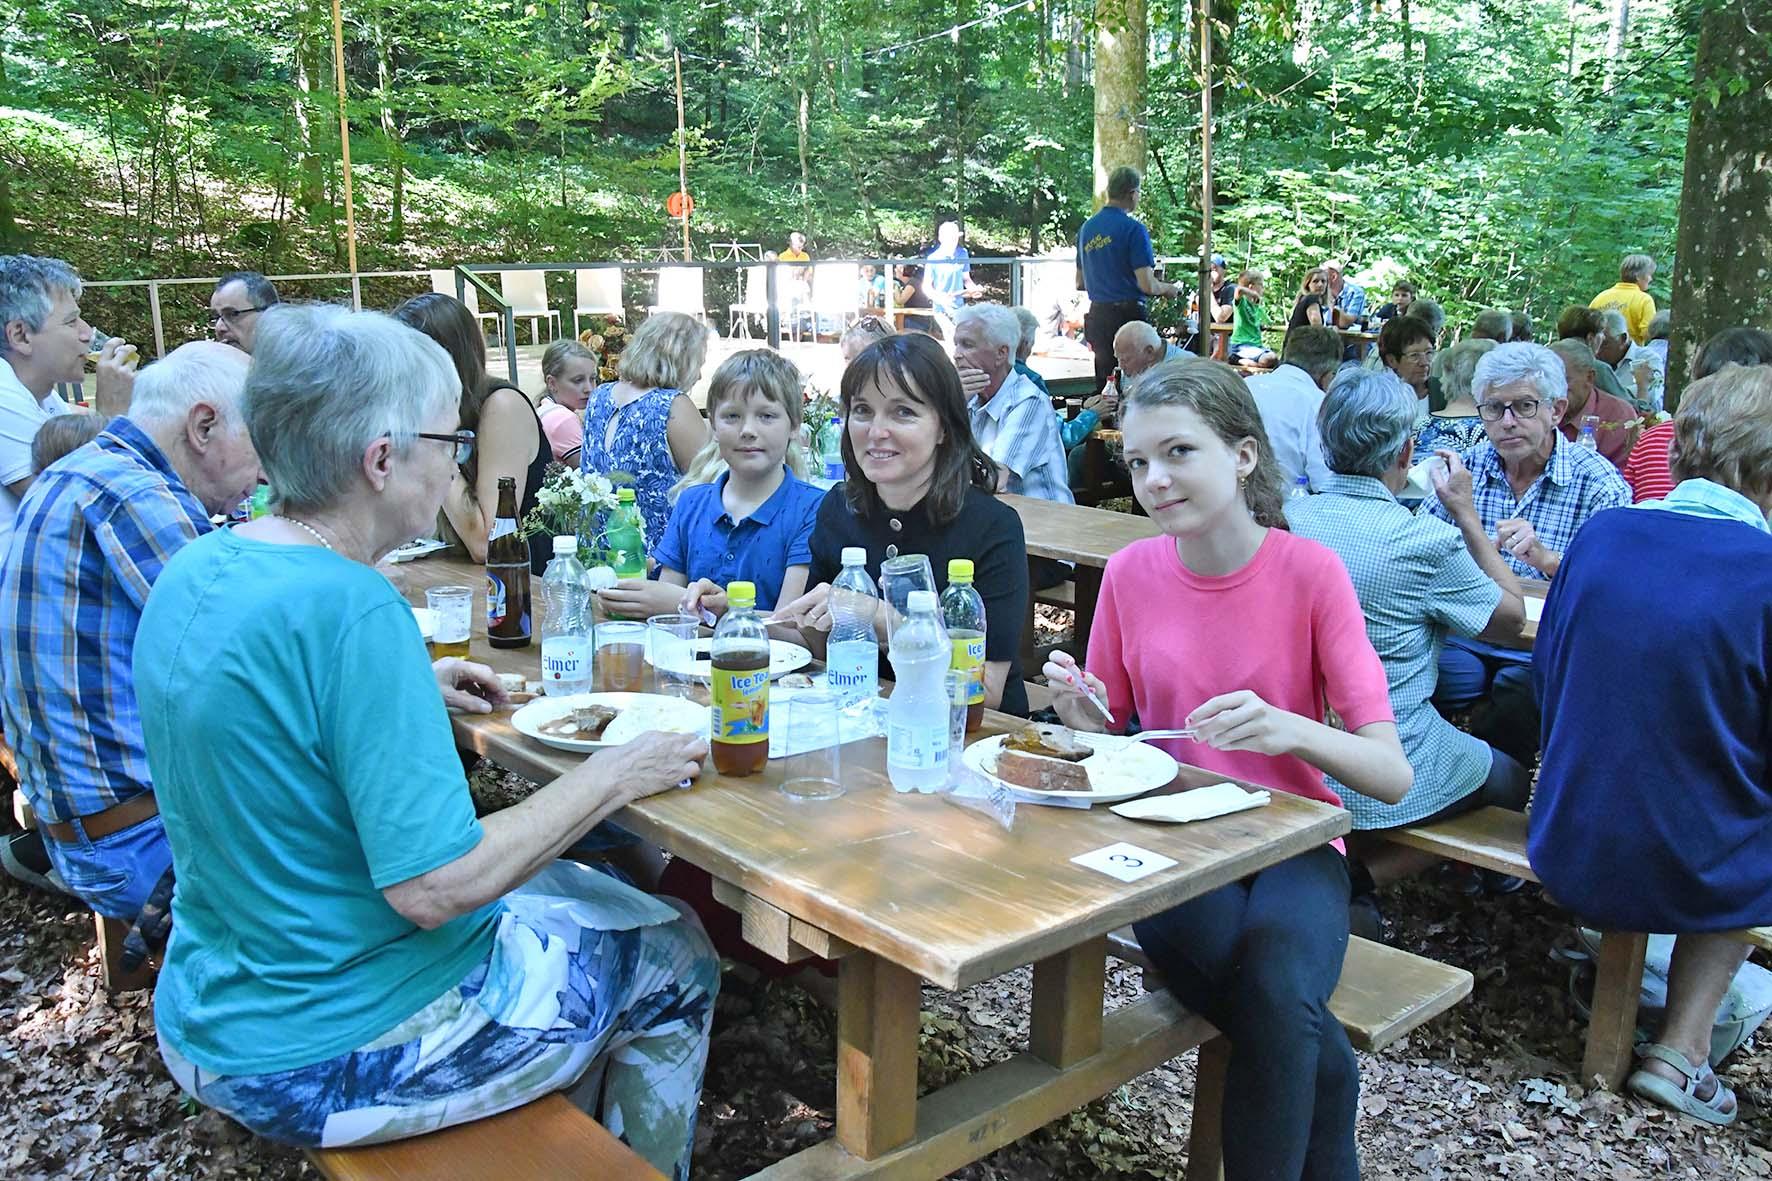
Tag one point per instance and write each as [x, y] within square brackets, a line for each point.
[1066, 1017]
[877, 1004]
[1088, 589]
[1612, 1025]
[1205, 1155]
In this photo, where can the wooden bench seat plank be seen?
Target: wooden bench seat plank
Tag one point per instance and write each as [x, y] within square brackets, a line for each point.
[1493, 838]
[547, 1138]
[1384, 992]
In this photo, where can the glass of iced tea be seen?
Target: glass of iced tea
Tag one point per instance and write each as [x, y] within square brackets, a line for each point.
[453, 609]
[619, 665]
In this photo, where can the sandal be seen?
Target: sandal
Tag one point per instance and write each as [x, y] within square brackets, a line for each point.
[1648, 1085]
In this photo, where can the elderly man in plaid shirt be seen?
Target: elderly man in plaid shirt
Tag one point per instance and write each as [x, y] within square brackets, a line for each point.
[1529, 490]
[1012, 421]
[91, 536]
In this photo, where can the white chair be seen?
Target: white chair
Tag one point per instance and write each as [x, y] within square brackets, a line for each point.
[443, 283]
[755, 303]
[681, 289]
[836, 295]
[599, 294]
[527, 293]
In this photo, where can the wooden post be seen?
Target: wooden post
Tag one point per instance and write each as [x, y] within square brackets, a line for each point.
[1612, 1022]
[1203, 301]
[1065, 1025]
[1205, 1153]
[682, 153]
[344, 147]
[877, 1027]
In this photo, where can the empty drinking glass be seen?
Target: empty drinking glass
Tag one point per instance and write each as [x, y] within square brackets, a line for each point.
[898, 578]
[810, 727]
[670, 649]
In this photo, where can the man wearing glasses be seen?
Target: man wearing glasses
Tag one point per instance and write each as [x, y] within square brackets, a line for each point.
[1526, 492]
[235, 305]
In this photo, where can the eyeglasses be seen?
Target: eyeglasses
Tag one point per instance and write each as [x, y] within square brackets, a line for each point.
[1419, 355]
[231, 315]
[462, 440]
[1522, 408]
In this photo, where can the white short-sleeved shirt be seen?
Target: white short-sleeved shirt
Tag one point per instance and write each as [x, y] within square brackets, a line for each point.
[21, 413]
[1288, 400]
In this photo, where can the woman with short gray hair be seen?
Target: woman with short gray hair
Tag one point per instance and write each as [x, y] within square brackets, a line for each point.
[407, 966]
[1455, 426]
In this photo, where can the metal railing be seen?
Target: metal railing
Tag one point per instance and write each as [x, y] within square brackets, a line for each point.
[501, 309]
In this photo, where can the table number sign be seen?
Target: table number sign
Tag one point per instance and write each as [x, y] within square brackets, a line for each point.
[1124, 861]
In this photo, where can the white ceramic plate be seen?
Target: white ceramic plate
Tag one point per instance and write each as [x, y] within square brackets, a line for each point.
[696, 661]
[1119, 769]
[640, 712]
[416, 549]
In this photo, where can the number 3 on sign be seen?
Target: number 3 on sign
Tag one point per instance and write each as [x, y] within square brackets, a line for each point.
[1126, 862]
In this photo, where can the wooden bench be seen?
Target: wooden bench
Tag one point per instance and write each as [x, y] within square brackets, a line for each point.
[547, 1138]
[1495, 838]
[1384, 993]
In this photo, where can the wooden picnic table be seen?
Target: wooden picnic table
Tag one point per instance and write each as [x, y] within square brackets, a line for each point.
[906, 888]
[1221, 334]
[1532, 589]
[1083, 535]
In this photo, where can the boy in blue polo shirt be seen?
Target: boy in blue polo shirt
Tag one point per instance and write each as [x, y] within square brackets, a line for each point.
[754, 521]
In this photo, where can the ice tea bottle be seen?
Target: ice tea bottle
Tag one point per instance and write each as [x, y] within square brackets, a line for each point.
[739, 726]
[962, 610]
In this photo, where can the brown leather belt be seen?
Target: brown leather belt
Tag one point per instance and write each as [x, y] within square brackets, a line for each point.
[102, 824]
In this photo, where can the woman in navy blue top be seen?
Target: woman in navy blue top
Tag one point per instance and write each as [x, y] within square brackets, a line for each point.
[1654, 802]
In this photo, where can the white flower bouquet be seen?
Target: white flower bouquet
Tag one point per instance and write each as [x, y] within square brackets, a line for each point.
[572, 502]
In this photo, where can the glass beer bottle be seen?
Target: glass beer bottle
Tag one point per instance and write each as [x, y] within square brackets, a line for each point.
[507, 575]
[739, 726]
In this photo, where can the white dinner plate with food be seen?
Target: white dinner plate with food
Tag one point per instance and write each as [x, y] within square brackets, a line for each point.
[416, 549]
[585, 722]
[1116, 767]
[696, 660]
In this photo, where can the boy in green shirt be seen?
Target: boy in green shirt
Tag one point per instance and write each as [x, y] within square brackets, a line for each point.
[1248, 319]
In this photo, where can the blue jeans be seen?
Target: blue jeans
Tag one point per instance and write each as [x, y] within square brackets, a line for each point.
[1259, 959]
[114, 875]
[1500, 679]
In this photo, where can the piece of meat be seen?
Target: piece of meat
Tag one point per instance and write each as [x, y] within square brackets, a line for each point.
[1040, 772]
[586, 723]
[1054, 742]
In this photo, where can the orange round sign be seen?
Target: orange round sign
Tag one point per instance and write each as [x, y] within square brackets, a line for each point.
[680, 204]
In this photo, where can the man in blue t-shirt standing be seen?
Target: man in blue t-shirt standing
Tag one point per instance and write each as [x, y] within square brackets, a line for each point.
[1116, 266]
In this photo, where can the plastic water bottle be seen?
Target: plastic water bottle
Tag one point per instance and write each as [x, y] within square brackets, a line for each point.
[1589, 436]
[852, 657]
[624, 538]
[830, 449]
[566, 642]
[917, 711]
[1300, 489]
[962, 613]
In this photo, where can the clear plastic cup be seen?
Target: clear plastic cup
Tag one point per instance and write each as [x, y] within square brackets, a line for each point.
[959, 690]
[619, 665]
[670, 649]
[809, 719]
[452, 608]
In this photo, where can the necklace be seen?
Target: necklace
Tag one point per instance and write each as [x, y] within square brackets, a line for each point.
[312, 532]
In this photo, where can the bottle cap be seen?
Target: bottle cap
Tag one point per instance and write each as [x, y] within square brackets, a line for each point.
[741, 594]
[624, 496]
[854, 555]
[920, 600]
[565, 544]
[960, 570]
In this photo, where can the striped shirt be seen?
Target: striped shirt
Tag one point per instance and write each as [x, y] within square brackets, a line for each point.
[1017, 429]
[1646, 470]
[91, 536]
[1575, 484]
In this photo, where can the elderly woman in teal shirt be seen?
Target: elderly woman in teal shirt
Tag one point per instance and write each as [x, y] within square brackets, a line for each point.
[356, 957]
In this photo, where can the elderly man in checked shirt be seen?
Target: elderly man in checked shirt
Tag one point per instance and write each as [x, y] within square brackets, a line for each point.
[1012, 421]
[1528, 490]
[91, 536]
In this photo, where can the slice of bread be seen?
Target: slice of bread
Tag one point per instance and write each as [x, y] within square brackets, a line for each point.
[1041, 773]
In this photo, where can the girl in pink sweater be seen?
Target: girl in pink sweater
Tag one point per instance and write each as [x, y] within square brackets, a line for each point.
[1230, 626]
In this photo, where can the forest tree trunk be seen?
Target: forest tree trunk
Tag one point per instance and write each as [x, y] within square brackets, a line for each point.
[1121, 34]
[1615, 42]
[312, 191]
[390, 130]
[1725, 240]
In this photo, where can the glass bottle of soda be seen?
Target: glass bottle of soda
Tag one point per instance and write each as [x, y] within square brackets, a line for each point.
[962, 611]
[739, 720]
[507, 574]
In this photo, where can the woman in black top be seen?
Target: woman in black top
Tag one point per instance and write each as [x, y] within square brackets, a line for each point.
[918, 484]
[508, 435]
[1313, 301]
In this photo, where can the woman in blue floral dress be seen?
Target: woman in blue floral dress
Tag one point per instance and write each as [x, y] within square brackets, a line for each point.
[643, 430]
[1456, 427]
